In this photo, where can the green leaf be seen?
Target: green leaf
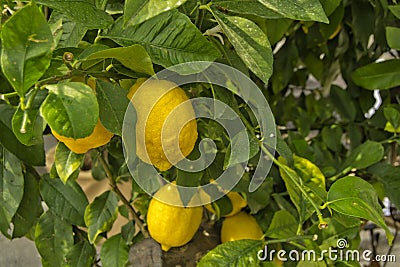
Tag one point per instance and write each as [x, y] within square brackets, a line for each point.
[170, 38]
[250, 43]
[81, 254]
[251, 7]
[138, 11]
[392, 115]
[71, 109]
[355, 197]
[364, 156]
[283, 225]
[34, 125]
[84, 12]
[30, 207]
[11, 188]
[389, 176]
[133, 57]
[33, 155]
[71, 32]
[395, 9]
[392, 37]
[101, 214]
[298, 9]
[53, 239]
[114, 252]
[382, 75]
[113, 105]
[238, 156]
[332, 137]
[311, 264]
[341, 99]
[67, 201]
[260, 198]
[239, 253]
[26, 48]
[67, 162]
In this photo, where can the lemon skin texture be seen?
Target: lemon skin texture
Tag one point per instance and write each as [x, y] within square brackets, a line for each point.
[172, 226]
[156, 133]
[240, 226]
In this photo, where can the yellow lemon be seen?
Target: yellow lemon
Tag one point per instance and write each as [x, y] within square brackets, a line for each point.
[165, 129]
[99, 137]
[238, 202]
[240, 226]
[172, 226]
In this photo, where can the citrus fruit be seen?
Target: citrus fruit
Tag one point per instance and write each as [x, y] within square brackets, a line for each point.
[240, 226]
[238, 202]
[99, 137]
[172, 226]
[162, 140]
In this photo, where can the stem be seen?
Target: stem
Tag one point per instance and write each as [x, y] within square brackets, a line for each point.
[115, 188]
[5, 97]
[54, 79]
[322, 223]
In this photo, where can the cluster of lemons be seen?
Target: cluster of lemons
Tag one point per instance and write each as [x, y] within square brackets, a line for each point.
[171, 226]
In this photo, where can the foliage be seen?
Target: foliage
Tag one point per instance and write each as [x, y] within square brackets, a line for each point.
[320, 64]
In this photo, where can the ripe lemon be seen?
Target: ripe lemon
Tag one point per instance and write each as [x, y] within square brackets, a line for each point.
[238, 202]
[172, 226]
[154, 102]
[99, 137]
[240, 226]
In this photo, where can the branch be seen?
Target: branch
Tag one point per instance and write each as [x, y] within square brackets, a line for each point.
[115, 188]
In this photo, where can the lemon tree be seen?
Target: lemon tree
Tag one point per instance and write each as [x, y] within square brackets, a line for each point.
[81, 78]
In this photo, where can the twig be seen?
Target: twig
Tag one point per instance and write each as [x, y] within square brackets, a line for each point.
[115, 188]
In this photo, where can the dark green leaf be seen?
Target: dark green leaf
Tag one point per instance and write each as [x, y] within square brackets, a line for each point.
[344, 104]
[286, 60]
[53, 239]
[32, 133]
[138, 11]
[250, 43]
[80, 11]
[260, 198]
[71, 33]
[332, 137]
[11, 188]
[67, 201]
[30, 207]
[251, 7]
[101, 214]
[364, 155]
[71, 109]
[353, 196]
[239, 253]
[170, 38]
[33, 155]
[113, 104]
[381, 75]
[67, 162]
[133, 57]
[389, 176]
[26, 48]
[81, 254]
[298, 10]
[395, 9]
[283, 225]
[114, 252]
